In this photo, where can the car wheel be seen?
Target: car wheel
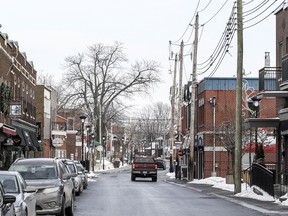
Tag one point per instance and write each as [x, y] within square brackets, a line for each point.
[70, 209]
[84, 185]
[133, 178]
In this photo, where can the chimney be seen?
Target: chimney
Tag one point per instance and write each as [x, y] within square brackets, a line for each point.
[267, 59]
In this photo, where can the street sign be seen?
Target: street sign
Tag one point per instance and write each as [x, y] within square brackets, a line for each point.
[99, 148]
[180, 152]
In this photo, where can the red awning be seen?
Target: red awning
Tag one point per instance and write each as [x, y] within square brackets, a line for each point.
[267, 149]
[8, 129]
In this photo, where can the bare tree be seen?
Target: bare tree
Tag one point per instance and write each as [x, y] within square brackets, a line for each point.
[100, 81]
[154, 123]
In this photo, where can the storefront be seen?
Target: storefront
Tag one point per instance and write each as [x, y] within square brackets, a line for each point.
[18, 140]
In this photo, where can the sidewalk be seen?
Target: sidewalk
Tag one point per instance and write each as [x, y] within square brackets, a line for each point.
[265, 207]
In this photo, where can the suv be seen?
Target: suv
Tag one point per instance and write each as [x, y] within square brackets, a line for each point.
[77, 180]
[83, 173]
[53, 181]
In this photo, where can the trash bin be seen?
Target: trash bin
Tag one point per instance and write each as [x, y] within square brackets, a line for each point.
[116, 164]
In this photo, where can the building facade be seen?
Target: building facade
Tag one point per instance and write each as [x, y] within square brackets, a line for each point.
[19, 132]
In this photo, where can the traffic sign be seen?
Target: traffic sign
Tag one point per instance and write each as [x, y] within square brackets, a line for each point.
[99, 148]
[180, 152]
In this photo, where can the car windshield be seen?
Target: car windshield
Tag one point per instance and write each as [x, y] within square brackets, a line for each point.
[34, 172]
[79, 167]
[9, 183]
[71, 168]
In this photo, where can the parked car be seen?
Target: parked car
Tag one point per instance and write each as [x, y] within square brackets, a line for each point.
[53, 180]
[78, 184]
[7, 203]
[83, 173]
[161, 164]
[15, 185]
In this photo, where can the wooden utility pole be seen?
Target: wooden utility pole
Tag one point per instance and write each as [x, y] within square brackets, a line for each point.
[192, 103]
[238, 135]
[172, 156]
[180, 95]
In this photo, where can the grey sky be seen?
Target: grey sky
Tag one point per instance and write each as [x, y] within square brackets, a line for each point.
[49, 31]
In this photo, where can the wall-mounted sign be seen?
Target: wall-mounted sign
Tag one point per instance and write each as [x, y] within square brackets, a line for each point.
[57, 142]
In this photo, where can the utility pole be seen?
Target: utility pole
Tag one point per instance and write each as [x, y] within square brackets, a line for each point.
[192, 103]
[180, 95]
[238, 135]
[172, 156]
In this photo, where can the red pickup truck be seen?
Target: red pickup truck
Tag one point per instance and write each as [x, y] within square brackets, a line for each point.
[144, 167]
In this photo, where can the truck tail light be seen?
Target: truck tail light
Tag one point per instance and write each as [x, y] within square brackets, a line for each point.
[133, 166]
[156, 166]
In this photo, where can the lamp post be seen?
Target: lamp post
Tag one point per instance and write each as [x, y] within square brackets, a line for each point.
[88, 144]
[82, 118]
[92, 151]
[103, 151]
[253, 105]
[212, 101]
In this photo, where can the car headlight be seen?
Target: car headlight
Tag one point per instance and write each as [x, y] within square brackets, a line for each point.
[52, 190]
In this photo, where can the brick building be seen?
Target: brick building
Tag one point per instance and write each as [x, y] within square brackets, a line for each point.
[17, 103]
[215, 106]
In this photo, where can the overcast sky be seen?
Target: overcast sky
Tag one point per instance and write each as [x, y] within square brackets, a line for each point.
[49, 31]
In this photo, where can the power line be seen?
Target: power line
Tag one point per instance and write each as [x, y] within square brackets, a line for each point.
[281, 4]
[216, 13]
[189, 23]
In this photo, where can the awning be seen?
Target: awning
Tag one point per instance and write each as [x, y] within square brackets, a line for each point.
[27, 138]
[21, 135]
[8, 129]
[34, 139]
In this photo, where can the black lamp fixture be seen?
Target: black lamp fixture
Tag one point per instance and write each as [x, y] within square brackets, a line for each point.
[82, 118]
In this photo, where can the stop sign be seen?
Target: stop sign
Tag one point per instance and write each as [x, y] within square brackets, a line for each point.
[180, 152]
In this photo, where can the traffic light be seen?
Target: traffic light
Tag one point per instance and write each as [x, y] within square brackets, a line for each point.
[188, 151]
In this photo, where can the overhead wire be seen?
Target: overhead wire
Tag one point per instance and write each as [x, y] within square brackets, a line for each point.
[216, 13]
[262, 12]
[281, 4]
[230, 27]
[177, 41]
[252, 10]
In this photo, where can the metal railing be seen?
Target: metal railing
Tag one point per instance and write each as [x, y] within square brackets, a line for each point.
[269, 78]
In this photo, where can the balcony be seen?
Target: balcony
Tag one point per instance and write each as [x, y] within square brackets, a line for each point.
[272, 82]
[269, 78]
[59, 126]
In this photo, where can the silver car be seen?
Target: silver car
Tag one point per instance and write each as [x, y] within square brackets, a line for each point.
[51, 177]
[83, 173]
[6, 200]
[15, 185]
[78, 184]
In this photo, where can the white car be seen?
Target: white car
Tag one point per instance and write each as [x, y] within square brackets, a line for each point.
[77, 180]
[14, 184]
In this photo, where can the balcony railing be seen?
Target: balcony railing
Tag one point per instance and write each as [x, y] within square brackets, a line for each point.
[269, 78]
[56, 126]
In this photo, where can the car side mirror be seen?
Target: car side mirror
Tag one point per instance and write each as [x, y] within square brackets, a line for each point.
[9, 199]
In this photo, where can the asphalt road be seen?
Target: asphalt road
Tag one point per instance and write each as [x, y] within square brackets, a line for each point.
[113, 194]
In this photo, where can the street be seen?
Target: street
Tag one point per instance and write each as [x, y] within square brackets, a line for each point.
[113, 194]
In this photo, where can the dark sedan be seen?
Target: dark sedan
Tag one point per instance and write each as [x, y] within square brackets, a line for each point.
[161, 164]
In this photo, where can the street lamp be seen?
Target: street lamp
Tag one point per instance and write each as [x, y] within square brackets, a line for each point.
[88, 143]
[253, 105]
[103, 151]
[82, 118]
[212, 101]
[123, 148]
[92, 151]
